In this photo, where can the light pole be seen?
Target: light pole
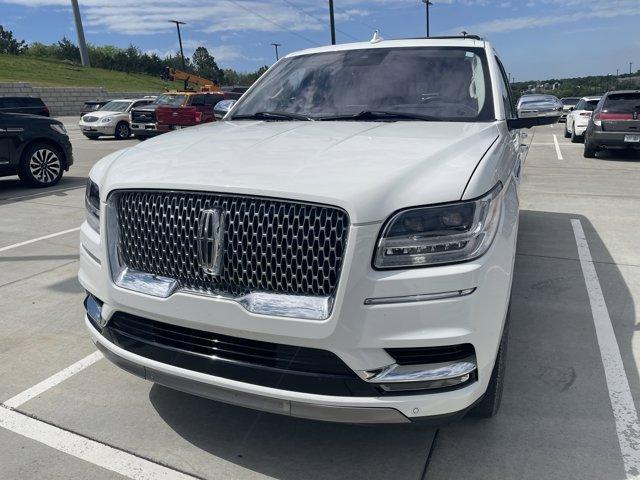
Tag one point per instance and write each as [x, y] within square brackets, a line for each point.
[84, 54]
[333, 23]
[427, 4]
[630, 66]
[184, 66]
[276, 45]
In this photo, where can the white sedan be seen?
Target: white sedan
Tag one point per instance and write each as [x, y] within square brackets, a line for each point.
[112, 119]
[578, 118]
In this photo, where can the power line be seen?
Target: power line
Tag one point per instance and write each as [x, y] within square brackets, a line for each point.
[238, 4]
[318, 19]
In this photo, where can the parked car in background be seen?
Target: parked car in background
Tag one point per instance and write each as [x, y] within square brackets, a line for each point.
[567, 104]
[28, 105]
[112, 119]
[92, 106]
[614, 124]
[35, 148]
[143, 118]
[578, 118]
[340, 248]
[534, 105]
[196, 108]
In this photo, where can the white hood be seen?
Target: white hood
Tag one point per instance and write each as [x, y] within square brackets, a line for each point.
[103, 113]
[370, 169]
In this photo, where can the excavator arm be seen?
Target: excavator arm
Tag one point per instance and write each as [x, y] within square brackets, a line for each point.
[172, 74]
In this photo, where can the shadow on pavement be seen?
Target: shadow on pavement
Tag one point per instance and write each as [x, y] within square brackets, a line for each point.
[13, 190]
[287, 448]
[556, 419]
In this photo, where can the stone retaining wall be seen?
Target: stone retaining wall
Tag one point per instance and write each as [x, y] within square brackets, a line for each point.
[64, 100]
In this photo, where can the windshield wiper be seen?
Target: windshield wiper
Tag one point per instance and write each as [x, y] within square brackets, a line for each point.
[272, 116]
[381, 115]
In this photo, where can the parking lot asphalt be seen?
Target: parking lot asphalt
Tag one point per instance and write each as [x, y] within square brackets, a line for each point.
[558, 417]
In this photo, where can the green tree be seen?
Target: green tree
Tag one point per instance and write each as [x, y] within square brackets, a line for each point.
[9, 44]
[67, 50]
[205, 65]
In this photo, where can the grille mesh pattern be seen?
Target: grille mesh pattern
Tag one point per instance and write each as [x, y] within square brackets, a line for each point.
[145, 116]
[269, 245]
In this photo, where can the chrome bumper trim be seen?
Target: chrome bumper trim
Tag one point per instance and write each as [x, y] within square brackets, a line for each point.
[312, 411]
[434, 372]
[419, 298]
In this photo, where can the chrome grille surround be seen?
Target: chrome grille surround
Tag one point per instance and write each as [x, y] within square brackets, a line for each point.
[89, 119]
[279, 257]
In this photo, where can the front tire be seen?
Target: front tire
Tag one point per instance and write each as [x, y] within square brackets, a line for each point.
[122, 131]
[566, 130]
[490, 404]
[41, 165]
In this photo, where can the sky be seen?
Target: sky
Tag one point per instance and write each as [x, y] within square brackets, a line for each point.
[536, 39]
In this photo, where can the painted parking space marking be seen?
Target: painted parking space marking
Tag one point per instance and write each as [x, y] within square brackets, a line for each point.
[91, 451]
[624, 409]
[100, 454]
[557, 145]
[34, 240]
[53, 380]
[40, 194]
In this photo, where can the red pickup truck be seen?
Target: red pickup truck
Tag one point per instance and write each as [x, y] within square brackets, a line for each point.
[196, 108]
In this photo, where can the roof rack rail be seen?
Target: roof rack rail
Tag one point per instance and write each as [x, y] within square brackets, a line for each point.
[446, 37]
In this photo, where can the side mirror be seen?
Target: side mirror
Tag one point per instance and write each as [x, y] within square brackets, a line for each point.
[529, 122]
[222, 108]
[571, 109]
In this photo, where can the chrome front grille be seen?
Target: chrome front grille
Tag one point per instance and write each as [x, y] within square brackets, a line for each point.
[89, 119]
[268, 245]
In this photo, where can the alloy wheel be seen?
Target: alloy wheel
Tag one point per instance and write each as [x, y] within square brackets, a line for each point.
[44, 165]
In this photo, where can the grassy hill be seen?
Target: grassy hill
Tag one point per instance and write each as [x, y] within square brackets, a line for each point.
[54, 73]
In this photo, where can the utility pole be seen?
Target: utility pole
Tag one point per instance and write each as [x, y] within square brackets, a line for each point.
[184, 65]
[333, 23]
[630, 66]
[84, 53]
[617, 73]
[427, 4]
[276, 45]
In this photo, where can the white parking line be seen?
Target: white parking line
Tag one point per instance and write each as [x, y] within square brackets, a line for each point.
[558, 152]
[85, 449]
[624, 410]
[46, 237]
[52, 381]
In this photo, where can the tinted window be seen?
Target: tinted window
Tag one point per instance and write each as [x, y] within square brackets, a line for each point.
[622, 103]
[197, 100]
[445, 83]
[116, 106]
[506, 92]
[590, 105]
[10, 102]
[32, 102]
[212, 99]
[569, 101]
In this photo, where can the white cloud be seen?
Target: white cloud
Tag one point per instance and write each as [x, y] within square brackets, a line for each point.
[556, 13]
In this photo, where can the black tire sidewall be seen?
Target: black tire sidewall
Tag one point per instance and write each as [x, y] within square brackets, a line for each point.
[24, 172]
[117, 133]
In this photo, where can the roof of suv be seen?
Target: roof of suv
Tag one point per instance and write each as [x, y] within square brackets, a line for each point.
[469, 41]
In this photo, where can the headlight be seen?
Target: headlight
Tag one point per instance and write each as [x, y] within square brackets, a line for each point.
[451, 233]
[92, 203]
[58, 127]
[106, 120]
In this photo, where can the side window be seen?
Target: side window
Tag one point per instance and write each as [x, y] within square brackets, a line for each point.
[580, 106]
[197, 100]
[507, 98]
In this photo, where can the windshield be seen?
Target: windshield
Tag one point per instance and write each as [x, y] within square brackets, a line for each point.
[426, 82]
[168, 99]
[570, 101]
[116, 106]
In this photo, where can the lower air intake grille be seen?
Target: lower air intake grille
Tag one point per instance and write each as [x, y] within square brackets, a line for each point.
[426, 355]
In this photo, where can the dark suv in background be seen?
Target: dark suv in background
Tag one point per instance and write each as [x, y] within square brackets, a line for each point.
[35, 148]
[30, 105]
[615, 123]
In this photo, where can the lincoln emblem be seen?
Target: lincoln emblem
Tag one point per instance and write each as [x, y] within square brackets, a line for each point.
[209, 240]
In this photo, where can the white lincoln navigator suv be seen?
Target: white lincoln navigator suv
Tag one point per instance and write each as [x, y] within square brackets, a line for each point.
[339, 247]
